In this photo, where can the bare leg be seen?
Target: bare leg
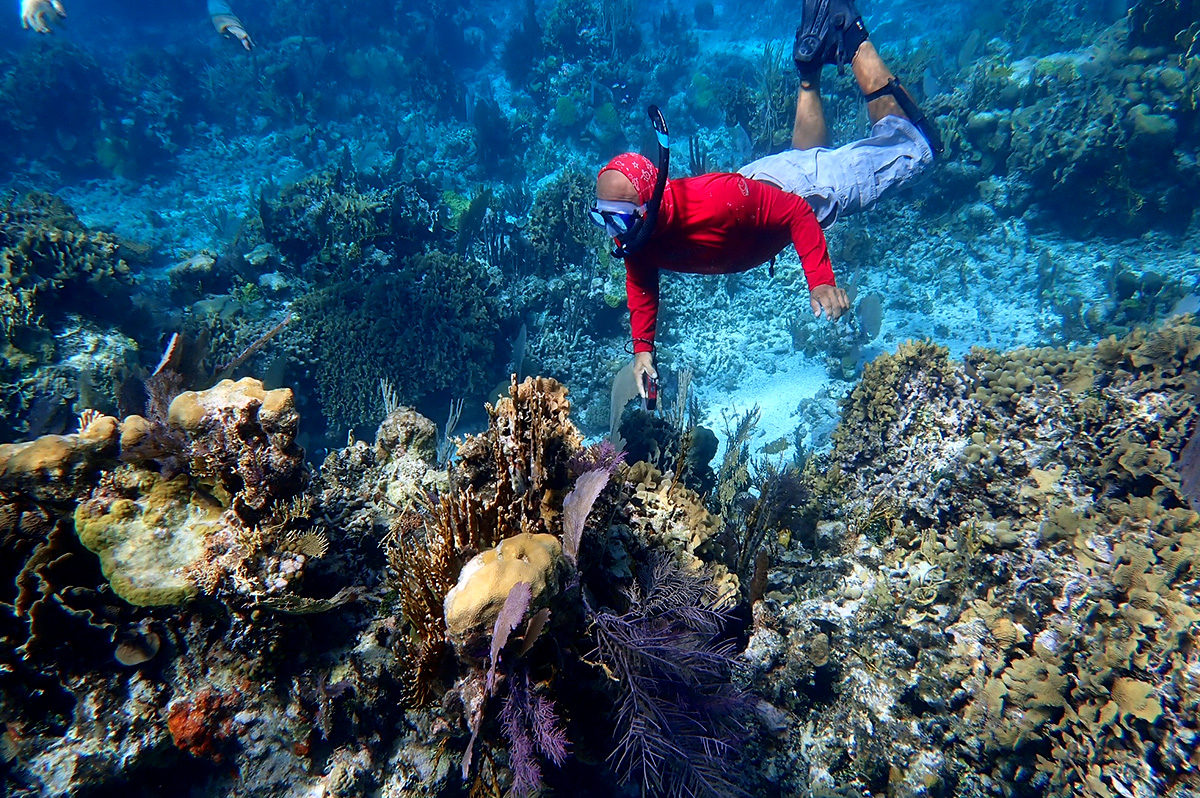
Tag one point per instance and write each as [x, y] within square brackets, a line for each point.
[809, 129]
[872, 74]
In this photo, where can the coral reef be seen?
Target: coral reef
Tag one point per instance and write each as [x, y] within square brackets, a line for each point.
[1084, 138]
[559, 232]
[987, 587]
[337, 219]
[1022, 612]
[53, 272]
[1012, 608]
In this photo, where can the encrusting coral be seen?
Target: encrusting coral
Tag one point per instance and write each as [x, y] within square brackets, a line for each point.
[55, 468]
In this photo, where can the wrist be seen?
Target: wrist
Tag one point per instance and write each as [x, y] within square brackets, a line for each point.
[223, 22]
[642, 346]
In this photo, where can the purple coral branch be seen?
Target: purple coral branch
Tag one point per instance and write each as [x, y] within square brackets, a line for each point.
[679, 717]
[511, 614]
[550, 738]
[602, 455]
[527, 773]
[531, 725]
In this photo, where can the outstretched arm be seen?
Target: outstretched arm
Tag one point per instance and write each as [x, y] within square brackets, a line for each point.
[38, 15]
[641, 288]
[227, 23]
[809, 240]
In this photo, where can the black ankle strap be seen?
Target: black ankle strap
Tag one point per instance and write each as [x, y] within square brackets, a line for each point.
[911, 110]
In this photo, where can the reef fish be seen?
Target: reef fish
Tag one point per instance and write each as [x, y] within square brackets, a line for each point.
[1189, 304]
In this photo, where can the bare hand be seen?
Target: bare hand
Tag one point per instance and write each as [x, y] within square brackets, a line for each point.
[830, 299]
[38, 15]
[643, 363]
[239, 33]
[231, 26]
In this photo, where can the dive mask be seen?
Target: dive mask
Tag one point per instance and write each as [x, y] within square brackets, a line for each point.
[618, 218]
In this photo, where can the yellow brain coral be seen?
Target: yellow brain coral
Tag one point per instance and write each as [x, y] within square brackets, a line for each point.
[484, 583]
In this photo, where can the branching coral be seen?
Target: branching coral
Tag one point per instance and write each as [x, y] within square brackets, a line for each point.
[562, 238]
[424, 566]
[333, 218]
[520, 465]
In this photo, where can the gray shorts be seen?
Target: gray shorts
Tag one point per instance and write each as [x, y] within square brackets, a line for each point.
[851, 178]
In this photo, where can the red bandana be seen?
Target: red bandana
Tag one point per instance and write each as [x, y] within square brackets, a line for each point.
[640, 171]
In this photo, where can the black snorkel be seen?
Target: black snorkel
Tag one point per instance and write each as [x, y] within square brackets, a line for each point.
[639, 233]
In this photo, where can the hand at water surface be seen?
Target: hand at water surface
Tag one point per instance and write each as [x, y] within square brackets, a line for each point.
[38, 15]
[231, 26]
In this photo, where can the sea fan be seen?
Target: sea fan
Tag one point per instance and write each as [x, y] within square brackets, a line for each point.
[680, 720]
[516, 604]
[577, 505]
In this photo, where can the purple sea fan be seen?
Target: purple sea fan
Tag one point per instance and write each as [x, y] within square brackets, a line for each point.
[516, 604]
[577, 505]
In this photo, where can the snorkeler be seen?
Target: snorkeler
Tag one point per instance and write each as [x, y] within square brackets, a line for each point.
[724, 223]
[40, 15]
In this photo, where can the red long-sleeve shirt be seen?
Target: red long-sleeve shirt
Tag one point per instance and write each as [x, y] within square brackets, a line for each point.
[720, 224]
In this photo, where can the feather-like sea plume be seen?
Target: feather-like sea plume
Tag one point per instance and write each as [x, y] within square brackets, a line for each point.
[680, 720]
[532, 726]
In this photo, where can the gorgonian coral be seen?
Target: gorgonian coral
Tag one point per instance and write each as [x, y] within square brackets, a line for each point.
[679, 718]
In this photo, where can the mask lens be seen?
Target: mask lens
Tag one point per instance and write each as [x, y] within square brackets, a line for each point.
[620, 222]
[614, 222]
